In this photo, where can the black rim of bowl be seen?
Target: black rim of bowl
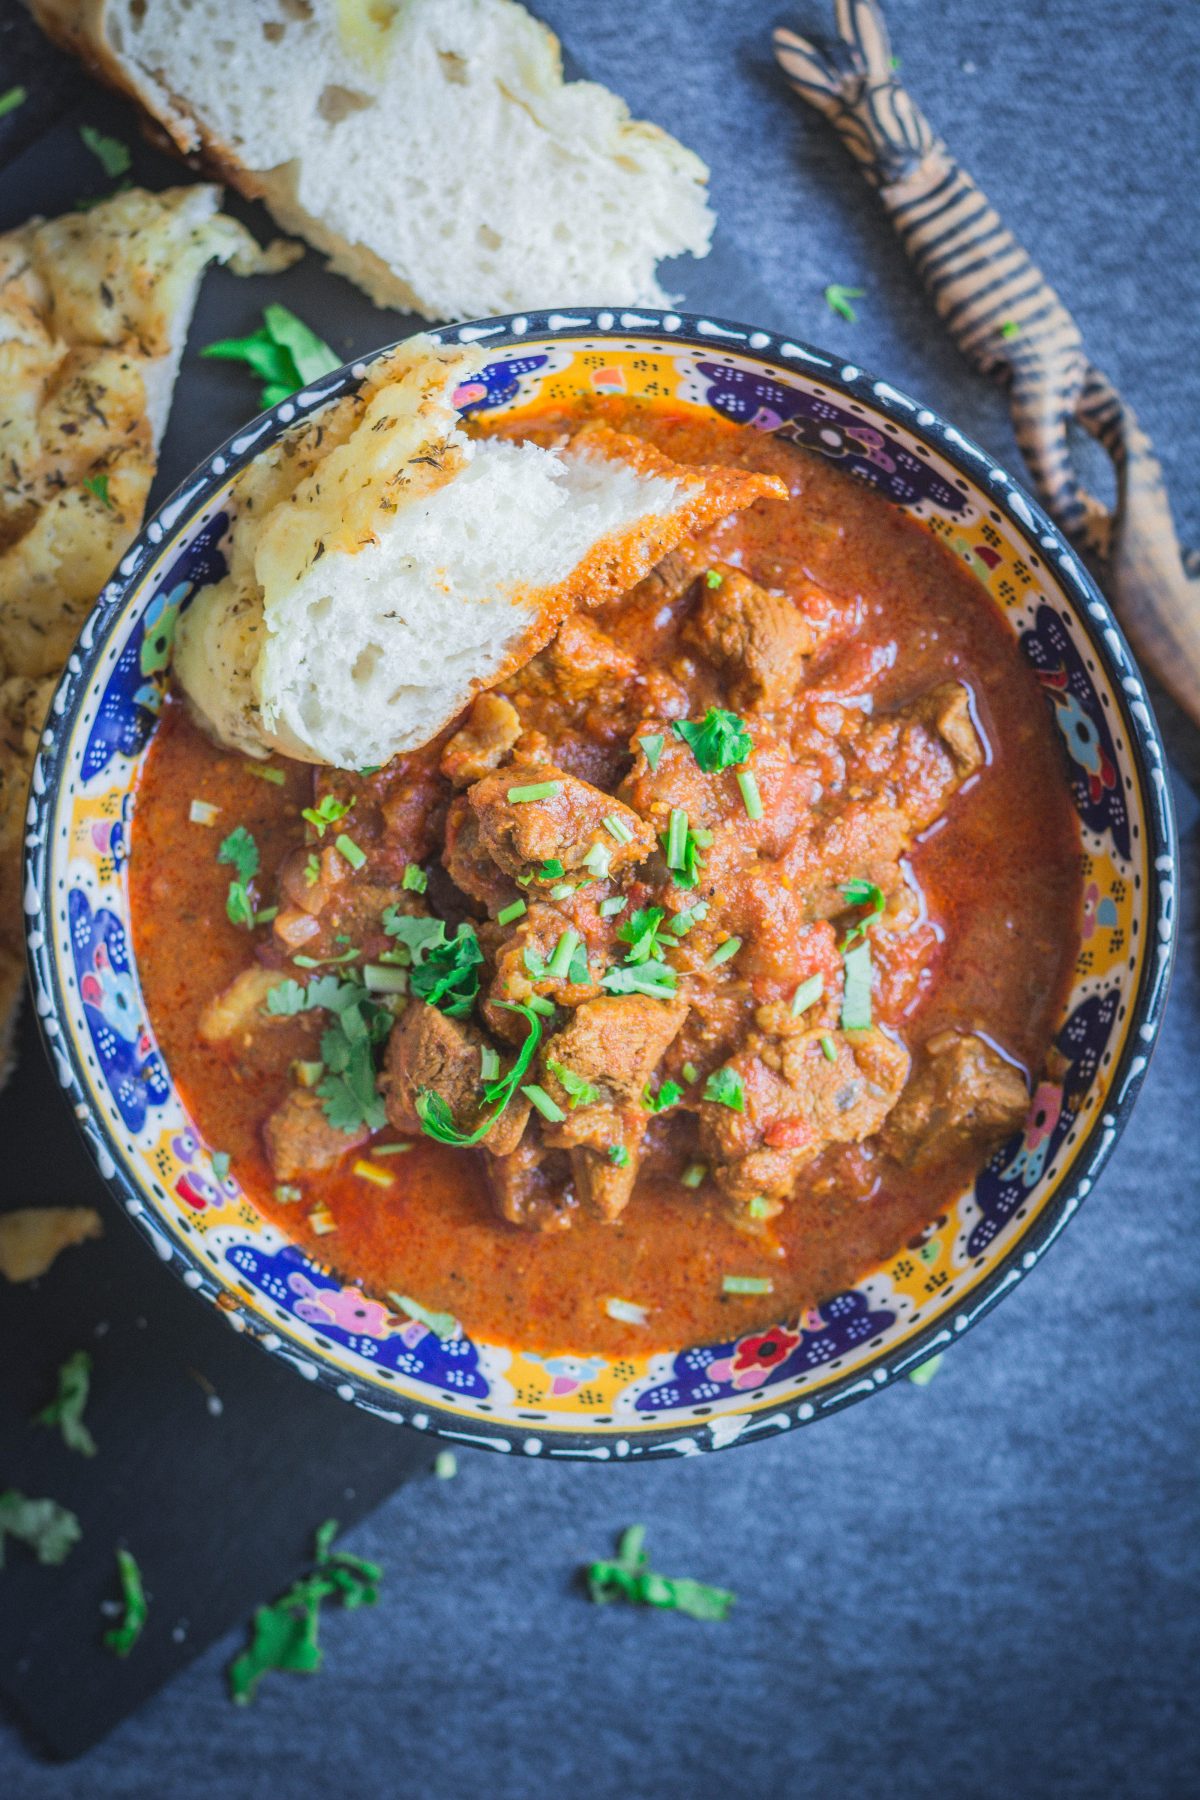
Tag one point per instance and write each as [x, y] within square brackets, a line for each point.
[782, 356]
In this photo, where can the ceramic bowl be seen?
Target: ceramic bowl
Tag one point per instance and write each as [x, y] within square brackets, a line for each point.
[691, 1399]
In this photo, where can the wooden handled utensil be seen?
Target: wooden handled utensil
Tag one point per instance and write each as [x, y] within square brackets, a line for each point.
[1007, 320]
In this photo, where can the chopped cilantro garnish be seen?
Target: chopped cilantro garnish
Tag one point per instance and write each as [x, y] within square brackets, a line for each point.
[862, 893]
[924, 1372]
[112, 155]
[507, 914]
[652, 747]
[630, 1578]
[668, 1094]
[578, 1091]
[618, 1155]
[445, 1465]
[690, 1072]
[67, 1407]
[657, 979]
[241, 852]
[11, 98]
[563, 891]
[724, 1087]
[762, 1208]
[312, 870]
[807, 994]
[287, 998]
[856, 993]
[828, 1048]
[723, 952]
[549, 1109]
[417, 932]
[535, 790]
[681, 846]
[50, 1530]
[838, 298]
[616, 827]
[437, 1121]
[283, 353]
[121, 1638]
[284, 1634]
[489, 1062]
[640, 932]
[1009, 329]
[683, 921]
[693, 1175]
[550, 870]
[611, 907]
[348, 1094]
[97, 485]
[751, 798]
[328, 811]
[414, 878]
[346, 847]
[747, 1284]
[713, 578]
[718, 741]
[559, 966]
[265, 772]
[598, 861]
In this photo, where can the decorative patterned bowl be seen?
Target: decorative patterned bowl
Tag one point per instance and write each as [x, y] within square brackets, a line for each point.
[90, 1005]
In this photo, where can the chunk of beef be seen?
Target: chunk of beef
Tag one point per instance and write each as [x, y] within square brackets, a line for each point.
[492, 727]
[798, 1101]
[467, 862]
[947, 709]
[585, 661]
[671, 578]
[614, 1044]
[757, 638]
[520, 835]
[532, 1186]
[532, 940]
[427, 1051]
[962, 1095]
[300, 1140]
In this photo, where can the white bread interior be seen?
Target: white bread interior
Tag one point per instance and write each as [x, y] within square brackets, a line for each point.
[431, 149]
[411, 566]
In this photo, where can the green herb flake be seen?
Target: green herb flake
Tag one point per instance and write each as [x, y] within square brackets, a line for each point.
[690, 1072]
[652, 749]
[627, 1312]
[284, 353]
[489, 1062]
[348, 1094]
[240, 851]
[838, 298]
[67, 1407]
[640, 932]
[693, 1176]
[618, 1155]
[437, 1121]
[723, 952]
[446, 973]
[719, 741]
[121, 1638]
[414, 878]
[11, 98]
[677, 836]
[657, 979]
[668, 1095]
[610, 908]
[856, 992]
[112, 155]
[828, 1048]
[550, 870]
[50, 1530]
[751, 798]
[312, 870]
[924, 1372]
[807, 994]
[508, 914]
[329, 810]
[713, 578]
[578, 1091]
[598, 861]
[287, 1194]
[630, 1578]
[615, 825]
[724, 1088]
[445, 1465]
[559, 966]
[862, 893]
[747, 1284]
[682, 923]
[220, 1164]
[265, 772]
[760, 1207]
[443, 1325]
[534, 790]
[346, 847]
[97, 486]
[549, 1109]
[284, 1635]
[1010, 329]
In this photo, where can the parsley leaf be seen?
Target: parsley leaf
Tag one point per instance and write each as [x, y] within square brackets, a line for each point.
[446, 976]
[284, 1635]
[666, 1097]
[862, 893]
[48, 1528]
[66, 1409]
[657, 979]
[112, 155]
[283, 353]
[724, 1087]
[240, 850]
[329, 810]
[719, 741]
[348, 1094]
[11, 98]
[437, 1121]
[630, 1578]
[419, 934]
[121, 1638]
[641, 934]
[652, 748]
[578, 1091]
[97, 485]
[838, 298]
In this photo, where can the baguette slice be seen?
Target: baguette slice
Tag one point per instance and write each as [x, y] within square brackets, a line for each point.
[431, 149]
[94, 311]
[411, 566]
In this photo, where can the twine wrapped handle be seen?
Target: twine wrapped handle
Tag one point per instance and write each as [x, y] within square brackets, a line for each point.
[1009, 322]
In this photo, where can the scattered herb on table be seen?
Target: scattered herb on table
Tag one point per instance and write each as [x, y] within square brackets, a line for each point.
[924, 1372]
[1010, 329]
[112, 155]
[838, 298]
[50, 1530]
[445, 1465]
[67, 1408]
[97, 485]
[11, 98]
[284, 353]
[629, 1577]
[718, 741]
[121, 1638]
[284, 1635]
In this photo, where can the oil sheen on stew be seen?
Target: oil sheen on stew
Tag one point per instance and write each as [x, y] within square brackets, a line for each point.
[902, 756]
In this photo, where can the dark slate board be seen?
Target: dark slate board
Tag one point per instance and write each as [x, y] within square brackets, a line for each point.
[218, 1509]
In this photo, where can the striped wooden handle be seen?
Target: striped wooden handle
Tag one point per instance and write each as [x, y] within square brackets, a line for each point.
[1009, 322]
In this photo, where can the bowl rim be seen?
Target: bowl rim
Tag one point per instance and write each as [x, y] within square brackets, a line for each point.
[776, 351]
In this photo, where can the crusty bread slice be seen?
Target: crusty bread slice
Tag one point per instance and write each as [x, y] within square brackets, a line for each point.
[94, 311]
[413, 566]
[431, 149]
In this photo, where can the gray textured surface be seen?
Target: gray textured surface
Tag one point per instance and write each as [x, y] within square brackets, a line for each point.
[986, 1587]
